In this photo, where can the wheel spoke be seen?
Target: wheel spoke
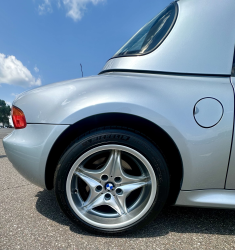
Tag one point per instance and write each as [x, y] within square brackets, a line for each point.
[101, 200]
[117, 171]
[92, 184]
[95, 203]
[106, 169]
[117, 166]
[124, 191]
[113, 204]
[131, 179]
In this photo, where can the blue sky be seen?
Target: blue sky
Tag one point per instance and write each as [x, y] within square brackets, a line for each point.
[44, 41]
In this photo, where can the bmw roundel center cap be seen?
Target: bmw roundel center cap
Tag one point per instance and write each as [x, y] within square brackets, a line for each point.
[109, 186]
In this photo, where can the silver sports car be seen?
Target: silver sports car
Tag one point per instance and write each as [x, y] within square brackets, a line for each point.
[154, 128]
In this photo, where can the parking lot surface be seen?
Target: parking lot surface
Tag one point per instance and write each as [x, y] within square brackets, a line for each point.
[31, 219]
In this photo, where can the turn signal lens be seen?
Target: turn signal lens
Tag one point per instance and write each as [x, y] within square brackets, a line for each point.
[18, 118]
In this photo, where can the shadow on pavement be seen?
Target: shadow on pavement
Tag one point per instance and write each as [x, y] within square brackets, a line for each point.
[172, 219]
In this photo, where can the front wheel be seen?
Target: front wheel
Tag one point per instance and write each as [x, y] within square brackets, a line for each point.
[112, 181]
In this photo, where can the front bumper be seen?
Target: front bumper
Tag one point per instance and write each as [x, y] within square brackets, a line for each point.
[28, 149]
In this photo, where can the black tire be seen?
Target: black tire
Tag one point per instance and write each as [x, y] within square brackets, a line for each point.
[105, 136]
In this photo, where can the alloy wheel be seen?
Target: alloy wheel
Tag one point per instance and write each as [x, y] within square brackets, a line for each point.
[111, 186]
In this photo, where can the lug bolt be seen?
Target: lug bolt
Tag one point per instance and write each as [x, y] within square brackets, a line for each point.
[119, 191]
[98, 189]
[117, 179]
[107, 196]
[104, 177]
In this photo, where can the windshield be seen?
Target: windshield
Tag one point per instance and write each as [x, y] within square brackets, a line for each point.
[152, 34]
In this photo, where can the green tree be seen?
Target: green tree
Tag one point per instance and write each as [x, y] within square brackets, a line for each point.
[5, 111]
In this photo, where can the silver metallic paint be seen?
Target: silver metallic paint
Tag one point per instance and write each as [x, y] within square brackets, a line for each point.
[230, 182]
[201, 42]
[28, 149]
[167, 101]
[212, 198]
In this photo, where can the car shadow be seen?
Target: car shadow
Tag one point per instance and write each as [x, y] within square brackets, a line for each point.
[172, 219]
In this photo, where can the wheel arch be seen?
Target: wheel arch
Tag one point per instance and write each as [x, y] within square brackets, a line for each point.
[133, 123]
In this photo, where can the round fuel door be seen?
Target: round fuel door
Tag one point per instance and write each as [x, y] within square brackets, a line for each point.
[208, 112]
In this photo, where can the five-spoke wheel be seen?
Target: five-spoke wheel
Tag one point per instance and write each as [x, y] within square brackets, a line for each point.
[110, 186]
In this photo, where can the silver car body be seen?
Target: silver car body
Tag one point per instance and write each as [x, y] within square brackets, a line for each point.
[192, 64]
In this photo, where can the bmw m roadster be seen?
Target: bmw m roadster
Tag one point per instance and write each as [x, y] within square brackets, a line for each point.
[154, 128]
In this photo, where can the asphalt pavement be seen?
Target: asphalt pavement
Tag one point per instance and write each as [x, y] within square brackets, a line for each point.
[31, 219]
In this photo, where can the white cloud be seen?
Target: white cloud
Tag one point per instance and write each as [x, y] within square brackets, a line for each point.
[45, 7]
[13, 72]
[36, 69]
[75, 8]
[14, 94]
[58, 4]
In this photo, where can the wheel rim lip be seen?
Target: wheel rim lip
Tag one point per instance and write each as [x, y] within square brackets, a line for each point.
[112, 147]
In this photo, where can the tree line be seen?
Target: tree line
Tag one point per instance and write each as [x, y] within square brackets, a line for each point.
[5, 111]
